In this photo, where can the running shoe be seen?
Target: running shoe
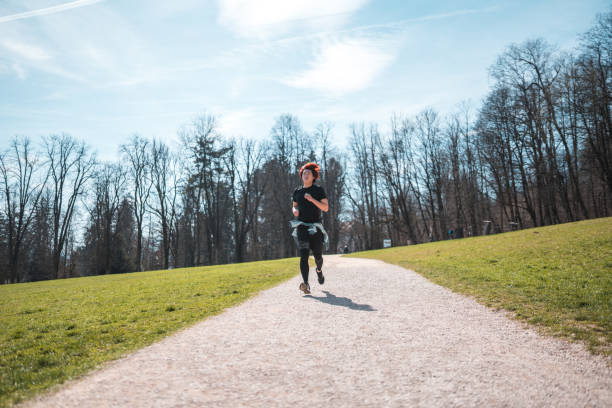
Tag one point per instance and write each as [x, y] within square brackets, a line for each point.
[304, 287]
[320, 276]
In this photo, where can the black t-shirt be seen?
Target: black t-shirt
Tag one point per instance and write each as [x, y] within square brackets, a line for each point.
[308, 211]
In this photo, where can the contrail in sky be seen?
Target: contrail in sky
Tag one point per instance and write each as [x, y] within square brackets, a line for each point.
[48, 10]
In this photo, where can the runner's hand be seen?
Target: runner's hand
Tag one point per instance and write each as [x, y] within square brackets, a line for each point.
[308, 197]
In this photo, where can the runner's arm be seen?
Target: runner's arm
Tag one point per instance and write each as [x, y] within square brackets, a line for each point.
[296, 212]
[323, 205]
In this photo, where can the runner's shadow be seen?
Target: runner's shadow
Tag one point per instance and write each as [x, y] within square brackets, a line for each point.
[332, 299]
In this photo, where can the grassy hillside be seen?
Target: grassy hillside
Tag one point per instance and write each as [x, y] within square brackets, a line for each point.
[53, 330]
[558, 278]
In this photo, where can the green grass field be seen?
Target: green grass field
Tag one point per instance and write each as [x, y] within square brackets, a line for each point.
[52, 331]
[558, 278]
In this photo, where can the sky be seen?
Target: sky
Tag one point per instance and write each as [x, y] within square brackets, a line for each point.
[102, 70]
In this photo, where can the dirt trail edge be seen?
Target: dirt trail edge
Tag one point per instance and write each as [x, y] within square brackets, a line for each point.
[373, 335]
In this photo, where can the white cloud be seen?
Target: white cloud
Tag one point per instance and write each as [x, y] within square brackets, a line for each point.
[392, 26]
[100, 58]
[30, 57]
[21, 74]
[30, 52]
[265, 17]
[79, 46]
[344, 66]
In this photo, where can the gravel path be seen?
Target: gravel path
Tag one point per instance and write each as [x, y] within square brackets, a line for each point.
[374, 335]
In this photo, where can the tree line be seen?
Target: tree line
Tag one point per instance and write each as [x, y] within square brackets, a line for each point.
[538, 151]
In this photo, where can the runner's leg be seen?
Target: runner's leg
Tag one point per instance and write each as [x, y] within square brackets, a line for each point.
[316, 244]
[303, 247]
[304, 253]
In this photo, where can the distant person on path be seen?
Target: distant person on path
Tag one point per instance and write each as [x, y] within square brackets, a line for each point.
[308, 232]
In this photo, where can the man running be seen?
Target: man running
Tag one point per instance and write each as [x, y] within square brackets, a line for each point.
[309, 233]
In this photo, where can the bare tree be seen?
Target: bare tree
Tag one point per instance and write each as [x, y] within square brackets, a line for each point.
[432, 171]
[288, 149]
[207, 183]
[595, 97]
[397, 169]
[22, 193]
[161, 174]
[110, 180]
[242, 161]
[70, 167]
[138, 157]
[333, 182]
[365, 184]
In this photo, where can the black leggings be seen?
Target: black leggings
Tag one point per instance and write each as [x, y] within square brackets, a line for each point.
[305, 243]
